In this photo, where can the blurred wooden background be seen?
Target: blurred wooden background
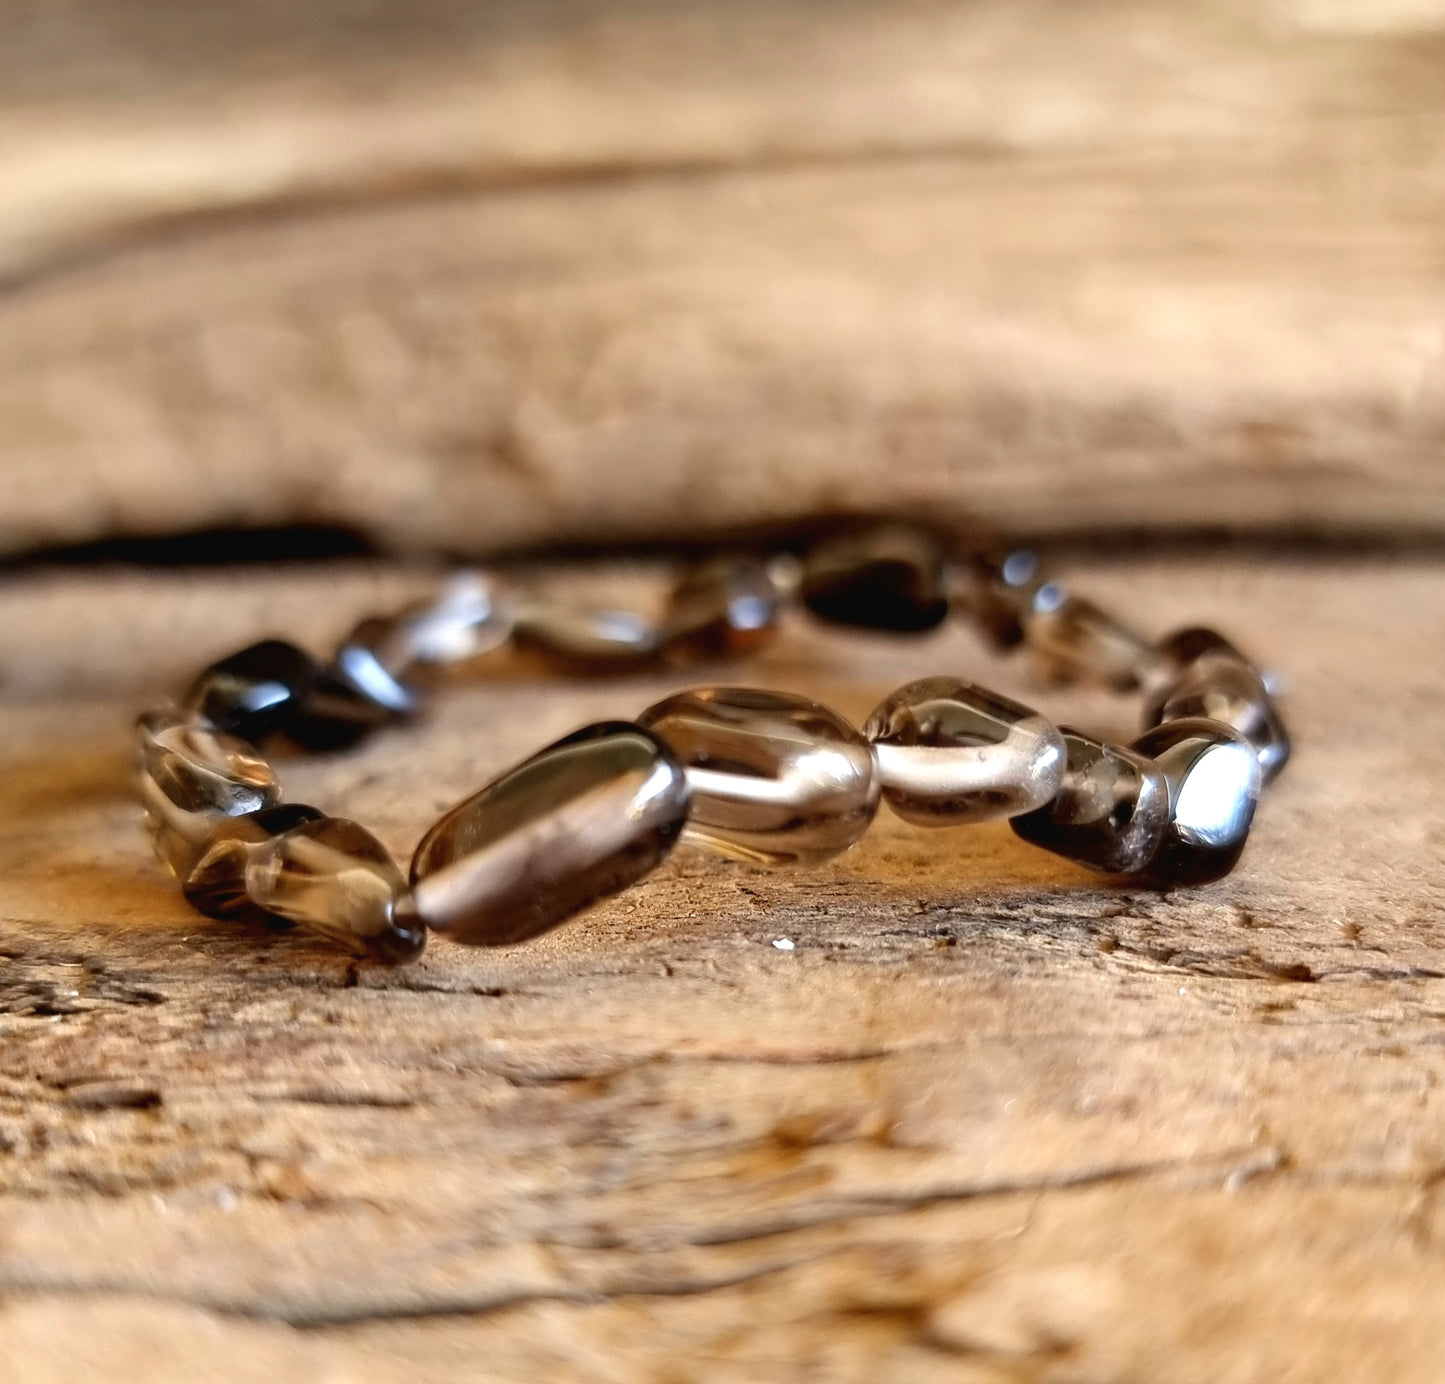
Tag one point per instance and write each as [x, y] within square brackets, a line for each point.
[473, 276]
[486, 274]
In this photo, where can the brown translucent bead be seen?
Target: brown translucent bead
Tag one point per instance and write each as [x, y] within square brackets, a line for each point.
[1111, 812]
[886, 577]
[950, 752]
[256, 692]
[1214, 779]
[575, 823]
[1073, 640]
[1206, 676]
[467, 619]
[215, 883]
[725, 608]
[586, 641]
[334, 877]
[775, 779]
[997, 592]
[191, 778]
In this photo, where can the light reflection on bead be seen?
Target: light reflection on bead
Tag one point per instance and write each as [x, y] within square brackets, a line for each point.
[1214, 781]
[776, 779]
[950, 752]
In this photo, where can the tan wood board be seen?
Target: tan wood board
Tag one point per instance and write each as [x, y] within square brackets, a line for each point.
[989, 1119]
[481, 275]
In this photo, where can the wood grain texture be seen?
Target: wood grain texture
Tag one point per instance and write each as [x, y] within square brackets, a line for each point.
[481, 275]
[987, 1121]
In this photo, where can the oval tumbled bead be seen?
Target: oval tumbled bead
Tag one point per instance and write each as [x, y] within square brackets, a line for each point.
[888, 577]
[1214, 779]
[333, 876]
[575, 823]
[950, 752]
[215, 883]
[586, 641]
[1210, 678]
[1111, 812]
[722, 609]
[775, 779]
[1074, 640]
[191, 778]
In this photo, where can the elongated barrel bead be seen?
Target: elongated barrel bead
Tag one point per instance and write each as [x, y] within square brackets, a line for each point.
[1209, 677]
[215, 883]
[586, 641]
[1073, 640]
[1110, 813]
[468, 618]
[575, 823]
[334, 877]
[996, 592]
[950, 752]
[255, 693]
[191, 778]
[1214, 779]
[723, 609]
[888, 577]
[273, 689]
[775, 779]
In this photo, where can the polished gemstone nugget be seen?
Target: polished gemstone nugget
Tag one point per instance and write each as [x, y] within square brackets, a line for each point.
[191, 778]
[575, 823]
[334, 877]
[1111, 812]
[725, 608]
[886, 577]
[1207, 676]
[1214, 780]
[775, 779]
[951, 752]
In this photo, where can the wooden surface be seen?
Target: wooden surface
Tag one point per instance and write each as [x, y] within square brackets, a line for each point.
[483, 275]
[988, 1120]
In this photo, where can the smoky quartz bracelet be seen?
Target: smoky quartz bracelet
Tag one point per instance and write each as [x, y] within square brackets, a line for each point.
[763, 777]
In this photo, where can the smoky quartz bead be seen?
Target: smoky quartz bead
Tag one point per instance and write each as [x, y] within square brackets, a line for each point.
[1206, 676]
[723, 609]
[997, 592]
[889, 577]
[950, 752]
[334, 877]
[215, 883]
[274, 689]
[469, 618]
[363, 663]
[575, 823]
[192, 777]
[775, 779]
[586, 641]
[256, 692]
[1111, 812]
[1213, 776]
[1073, 640]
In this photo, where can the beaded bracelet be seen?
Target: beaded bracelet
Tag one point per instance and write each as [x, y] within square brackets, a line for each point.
[762, 777]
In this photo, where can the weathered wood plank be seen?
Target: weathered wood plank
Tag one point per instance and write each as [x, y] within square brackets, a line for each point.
[505, 274]
[988, 1120]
